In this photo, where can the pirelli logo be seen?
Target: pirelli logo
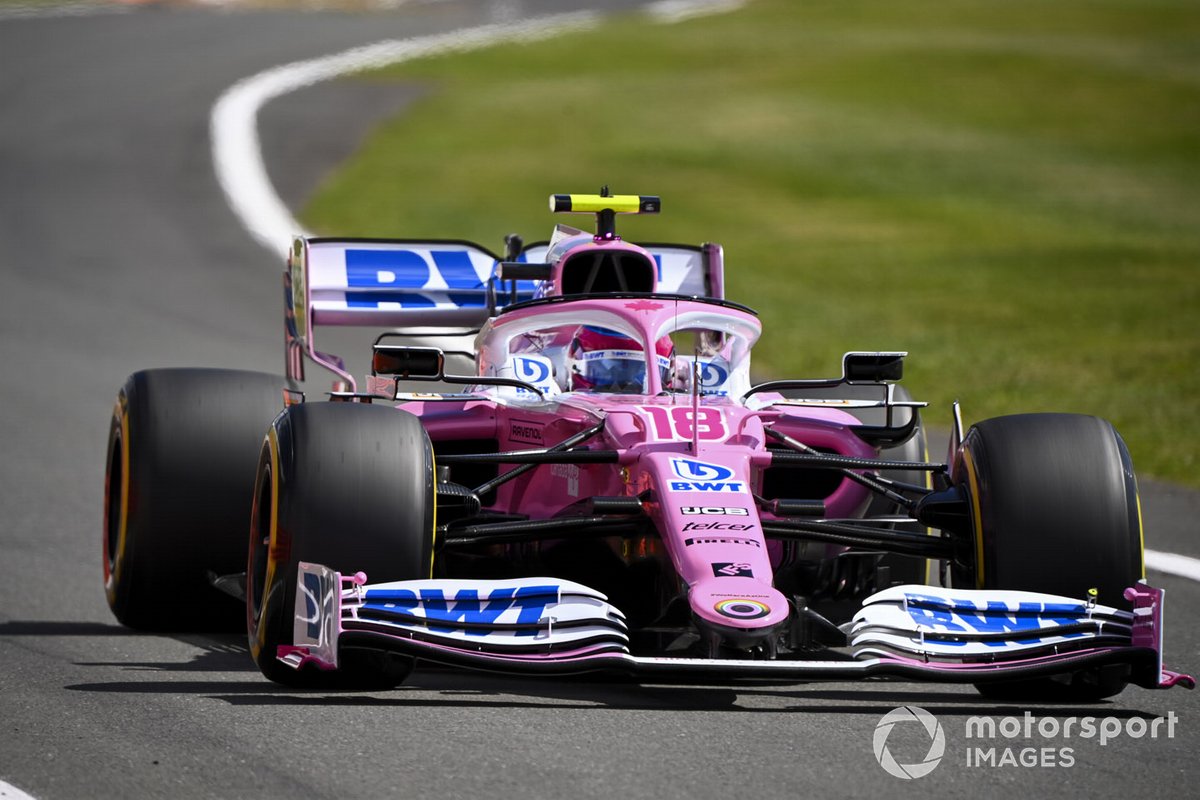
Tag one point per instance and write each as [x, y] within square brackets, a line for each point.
[722, 540]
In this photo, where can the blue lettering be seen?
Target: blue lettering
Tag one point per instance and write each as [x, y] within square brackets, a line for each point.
[391, 269]
[996, 618]
[936, 619]
[466, 608]
[706, 486]
[455, 267]
[532, 600]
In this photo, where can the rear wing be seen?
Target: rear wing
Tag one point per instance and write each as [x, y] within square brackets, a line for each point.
[383, 283]
[439, 284]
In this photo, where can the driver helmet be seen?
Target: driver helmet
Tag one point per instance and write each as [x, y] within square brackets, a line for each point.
[603, 360]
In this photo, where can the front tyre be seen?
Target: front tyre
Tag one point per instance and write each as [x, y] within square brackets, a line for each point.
[1054, 508]
[348, 486]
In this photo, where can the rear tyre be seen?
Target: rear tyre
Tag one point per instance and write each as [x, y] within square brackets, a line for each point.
[182, 448]
[1054, 508]
[348, 486]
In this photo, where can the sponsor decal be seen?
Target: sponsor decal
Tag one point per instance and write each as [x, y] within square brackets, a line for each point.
[713, 511]
[569, 472]
[732, 570]
[691, 475]
[712, 378]
[534, 370]
[467, 607]
[522, 431]
[721, 540]
[742, 608]
[531, 370]
[682, 423]
[717, 526]
[600, 355]
[995, 617]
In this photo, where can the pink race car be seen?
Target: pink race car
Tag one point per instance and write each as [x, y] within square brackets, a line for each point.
[610, 436]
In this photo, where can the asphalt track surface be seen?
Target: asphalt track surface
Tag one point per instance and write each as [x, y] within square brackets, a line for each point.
[118, 252]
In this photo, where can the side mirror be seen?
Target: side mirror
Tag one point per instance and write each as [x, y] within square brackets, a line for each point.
[872, 367]
[408, 363]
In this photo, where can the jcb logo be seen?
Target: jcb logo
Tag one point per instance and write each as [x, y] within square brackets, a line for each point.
[714, 511]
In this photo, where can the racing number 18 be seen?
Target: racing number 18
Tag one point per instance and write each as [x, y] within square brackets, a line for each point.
[680, 422]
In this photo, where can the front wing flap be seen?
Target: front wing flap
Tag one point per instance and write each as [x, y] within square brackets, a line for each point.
[549, 626]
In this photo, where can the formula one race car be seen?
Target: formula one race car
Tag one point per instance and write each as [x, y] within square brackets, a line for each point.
[609, 436]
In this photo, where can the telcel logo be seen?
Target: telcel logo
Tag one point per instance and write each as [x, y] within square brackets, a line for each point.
[701, 476]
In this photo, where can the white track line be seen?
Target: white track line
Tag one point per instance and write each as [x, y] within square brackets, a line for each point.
[10, 792]
[1172, 564]
[237, 152]
[671, 11]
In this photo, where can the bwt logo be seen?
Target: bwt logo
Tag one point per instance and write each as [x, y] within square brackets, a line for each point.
[466, 607]
[700, 476]
[532, 370]
[712, 376]
[966, 617]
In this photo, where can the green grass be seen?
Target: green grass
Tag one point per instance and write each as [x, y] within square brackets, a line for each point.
[1008, 190]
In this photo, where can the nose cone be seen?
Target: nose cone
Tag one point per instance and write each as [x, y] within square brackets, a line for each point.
[743, 611]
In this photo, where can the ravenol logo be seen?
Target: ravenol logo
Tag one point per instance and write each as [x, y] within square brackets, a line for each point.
[700, 476]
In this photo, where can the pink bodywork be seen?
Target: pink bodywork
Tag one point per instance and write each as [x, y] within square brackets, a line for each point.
[696, 481]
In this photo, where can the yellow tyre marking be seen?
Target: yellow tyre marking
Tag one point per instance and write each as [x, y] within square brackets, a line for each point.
[976, 516]
[272, 544]
[1137, 496]
[122, 411]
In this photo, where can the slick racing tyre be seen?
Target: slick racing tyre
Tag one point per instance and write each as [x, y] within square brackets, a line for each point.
[182, 449]
[348, 486]
[1054, 508]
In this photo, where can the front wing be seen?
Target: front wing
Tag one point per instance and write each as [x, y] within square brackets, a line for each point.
[545, 626]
